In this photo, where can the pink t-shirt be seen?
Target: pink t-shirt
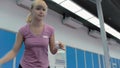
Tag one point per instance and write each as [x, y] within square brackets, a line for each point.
[36, 47]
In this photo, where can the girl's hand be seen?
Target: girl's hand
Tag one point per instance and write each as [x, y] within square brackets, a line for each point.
[61, 45]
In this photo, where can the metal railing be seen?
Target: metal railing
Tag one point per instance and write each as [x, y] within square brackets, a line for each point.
[14, 62]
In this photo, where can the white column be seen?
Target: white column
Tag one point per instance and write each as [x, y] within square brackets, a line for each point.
[103, 34]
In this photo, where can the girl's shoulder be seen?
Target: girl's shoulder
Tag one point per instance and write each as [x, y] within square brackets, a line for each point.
[24, 29]
[49, 27]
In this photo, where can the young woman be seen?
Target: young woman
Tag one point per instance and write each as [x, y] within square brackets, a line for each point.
[36, 36]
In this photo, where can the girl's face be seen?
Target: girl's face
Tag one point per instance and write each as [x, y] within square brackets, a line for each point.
[39, 10]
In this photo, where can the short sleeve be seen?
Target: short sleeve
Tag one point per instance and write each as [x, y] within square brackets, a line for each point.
[21, 31]
[52, 30]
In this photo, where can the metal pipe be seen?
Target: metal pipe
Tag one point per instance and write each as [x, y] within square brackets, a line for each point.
[103, 34]
[14, 62]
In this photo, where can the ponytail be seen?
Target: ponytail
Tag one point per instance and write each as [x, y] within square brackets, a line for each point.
[29, 18]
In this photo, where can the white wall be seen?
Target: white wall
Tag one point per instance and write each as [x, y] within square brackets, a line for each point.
[12, 17]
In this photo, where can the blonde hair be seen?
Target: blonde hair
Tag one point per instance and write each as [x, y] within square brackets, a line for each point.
[35, 3]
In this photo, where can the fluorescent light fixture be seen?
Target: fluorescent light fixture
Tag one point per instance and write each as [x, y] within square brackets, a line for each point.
[84, 14]
[78, 10]
[107, 27]
[94, 21]
[112, 31]
[71, 6]
[58, 1]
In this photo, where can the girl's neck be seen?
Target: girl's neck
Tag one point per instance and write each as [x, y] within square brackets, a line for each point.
[37, 23]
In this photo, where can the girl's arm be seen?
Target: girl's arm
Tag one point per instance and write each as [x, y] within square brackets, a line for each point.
[11, 54]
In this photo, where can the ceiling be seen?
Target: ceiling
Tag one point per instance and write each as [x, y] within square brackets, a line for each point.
[111, 12]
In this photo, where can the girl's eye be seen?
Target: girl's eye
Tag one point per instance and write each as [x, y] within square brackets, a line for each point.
[44, 9]
[40, 8]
